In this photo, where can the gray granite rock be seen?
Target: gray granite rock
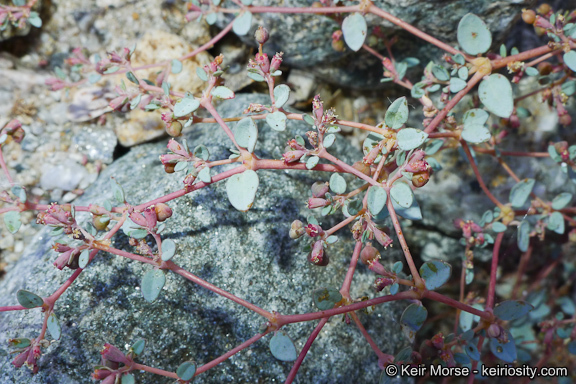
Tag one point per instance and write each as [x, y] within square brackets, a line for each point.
[248, 254]
[306, 39]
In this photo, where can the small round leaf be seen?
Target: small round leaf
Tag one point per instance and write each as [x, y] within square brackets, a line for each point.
[354, 29]
[456, 84]
[242, 23]
[402, 194]
[186, 370]
[84, 258]
[176, 66]
[435, 273]
[222, 92]
[138, 346]
[128, 379]
[241, 189]
[281, 95]
[186, 106]
[376, 199]
[520, 192]
[276, 121]
[168, 248]
[570, 60]
[512, 309]
[473, 35]
[397, 113]
[410, 138]
[561, 200]
[496, 94]
[246, 134]
[337, 184]
[282, 347]
[326, 298]
[152, 283]
[414, 317]
[54, 326]
[12, 221]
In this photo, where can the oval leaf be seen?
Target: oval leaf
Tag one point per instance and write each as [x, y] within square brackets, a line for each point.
[54, 326]
[523, 239]
[28, 299]
[496, 94]
[376, 199]
[329, 140]
[222, 92]
[84, 258]
[168, 249]
[354, 29]
[246, 134]
[570, 60]
[520, 192]
[397, 113]
[456, 85]
[152, 283]
[185, 106]
[504, 351]
[475, 116]
[435, 273]
[414, 317]
[176, 66]
[512, 309]
[186, 370]
[410, 138]
[402, 194]
[282, 347]
[128, 379]
[242, 24]
[276, 121]
[312, 162]
[337, 184]
[473, 35]
[241, 189]
[561, 200]
[281, 95]
[474, 133]
[326, 298]
[138, 346]
[12, 221]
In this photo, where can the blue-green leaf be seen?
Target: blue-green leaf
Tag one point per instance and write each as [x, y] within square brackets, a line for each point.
[475, 116]
[562, 200]
[242, 24]
[168, 248]
[440, 73]
[202, 152]
[201, 74]
[512, 309]
[456, 84]
[94, 78]
[329, 140]
[520, 192]
[410, 138]
[326, 298]
[204, 175]
[128, 378]
[435, 273]
[504, 351]
[222, 92]
[308, 119]
[463, 73]
[414, 317]
[476, 134]
[276, 121]
[337, 184]
[28, 299]
[402, 194]
[35, 20]
[152, 283]
[498, 227]
[281, 95]
[531, 71]
[570, 60]
[54, 326]
[12, 221]
[138, 346]
[185, 106]
[241, 189]
[376, 199]
[282, 347]
[397, 113]
[355, 29]
[472, 351]
[523, 239]
[312, 162]
[496, 94]
[186, 370]
[84, 258]
[176, 66]
[211, 18]
[117, 191]
[246, 134]
[556, 222]
[473, 35]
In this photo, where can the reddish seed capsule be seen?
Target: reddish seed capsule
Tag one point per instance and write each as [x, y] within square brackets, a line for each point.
[362, 167]
[369, 254]
[174, 129]
[420, 179]
[529, 16]
[169, 168]
[100, 222]
[163, 211]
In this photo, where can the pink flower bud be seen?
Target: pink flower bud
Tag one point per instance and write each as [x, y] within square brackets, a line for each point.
[192, 15]
[263, 62]
[178, 149]
[372, 155]
[382, 282]
[382, 238]
[417, 166]
[317, 108]
[317, 256]
[101, 373]
[293, 156]
[276, 62]
[138, 219]
[112, 379]
[316, 202]
[55, 84]
[319, 189]
[118, 103]
[542, 23]
[151, 218]
[20, 359]
[111, 353]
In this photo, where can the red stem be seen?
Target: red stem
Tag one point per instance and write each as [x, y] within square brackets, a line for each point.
[305, 350]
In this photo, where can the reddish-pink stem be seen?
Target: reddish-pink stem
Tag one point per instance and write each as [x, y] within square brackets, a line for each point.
[494, 271]
[305, 350]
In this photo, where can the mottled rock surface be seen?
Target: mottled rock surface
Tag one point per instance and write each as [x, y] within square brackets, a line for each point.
[248, 254]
